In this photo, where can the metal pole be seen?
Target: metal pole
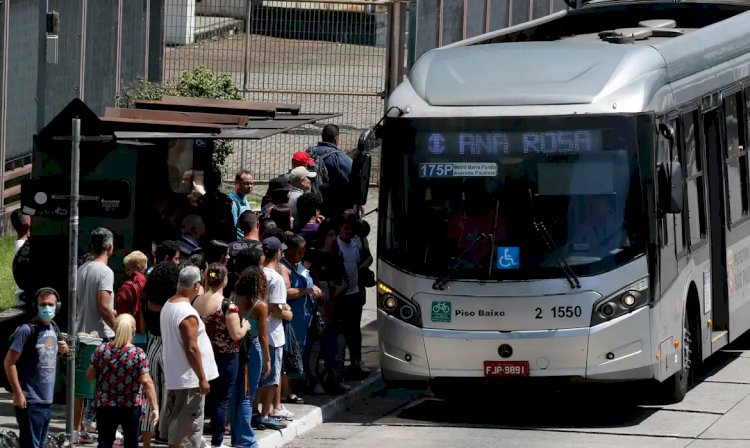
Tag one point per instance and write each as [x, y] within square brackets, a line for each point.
[245, 59]
[73, 272]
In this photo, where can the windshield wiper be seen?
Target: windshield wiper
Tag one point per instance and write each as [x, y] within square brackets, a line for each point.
[453, 267]
[552, 248]
[552, 251]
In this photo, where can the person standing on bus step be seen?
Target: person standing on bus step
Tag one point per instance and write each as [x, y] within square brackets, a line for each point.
[336, 189]
[95, 304]
[189, 363]
[243, 186]
[356, 257]
[30, 366]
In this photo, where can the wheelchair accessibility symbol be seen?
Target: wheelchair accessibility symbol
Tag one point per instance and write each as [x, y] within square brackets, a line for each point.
[508, 257]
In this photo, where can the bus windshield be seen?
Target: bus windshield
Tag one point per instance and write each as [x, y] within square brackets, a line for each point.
[508, 199]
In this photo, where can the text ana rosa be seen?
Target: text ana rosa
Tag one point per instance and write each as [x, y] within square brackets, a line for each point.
[479, 313]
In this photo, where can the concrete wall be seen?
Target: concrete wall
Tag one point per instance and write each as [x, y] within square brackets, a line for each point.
[179, 27]
[224, 8]
[89, 65]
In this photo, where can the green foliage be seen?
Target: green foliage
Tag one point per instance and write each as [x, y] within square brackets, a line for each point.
[7, 283]
[203, 83]
[200, 82]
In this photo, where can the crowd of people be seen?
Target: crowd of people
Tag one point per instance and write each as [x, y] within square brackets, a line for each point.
[240, 315]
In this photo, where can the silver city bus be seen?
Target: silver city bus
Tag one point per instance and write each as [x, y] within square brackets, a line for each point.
[569, 198]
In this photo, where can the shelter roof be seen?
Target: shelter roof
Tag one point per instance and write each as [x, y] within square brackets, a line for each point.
[193, 118]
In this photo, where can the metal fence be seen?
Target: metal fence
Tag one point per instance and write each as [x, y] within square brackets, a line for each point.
[327, 56]
[435, 23]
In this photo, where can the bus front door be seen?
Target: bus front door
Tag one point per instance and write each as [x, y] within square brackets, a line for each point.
[714, 152]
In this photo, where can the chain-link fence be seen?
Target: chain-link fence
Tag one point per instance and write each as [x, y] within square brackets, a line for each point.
[327, 56]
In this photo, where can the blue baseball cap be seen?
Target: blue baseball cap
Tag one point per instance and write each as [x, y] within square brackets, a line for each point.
[272, 244]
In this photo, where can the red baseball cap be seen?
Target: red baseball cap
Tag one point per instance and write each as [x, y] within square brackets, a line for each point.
[303, 158]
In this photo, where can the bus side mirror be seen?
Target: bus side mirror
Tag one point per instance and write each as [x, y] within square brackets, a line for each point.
[365, 138]
[670, 187]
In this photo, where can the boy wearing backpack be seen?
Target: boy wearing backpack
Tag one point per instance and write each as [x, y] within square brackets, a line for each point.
[30, 368]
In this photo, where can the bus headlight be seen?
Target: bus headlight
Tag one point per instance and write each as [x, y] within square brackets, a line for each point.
[623, 302]
[389, 303]
[398, 306]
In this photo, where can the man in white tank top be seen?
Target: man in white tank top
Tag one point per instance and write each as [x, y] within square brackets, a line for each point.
[188, 367]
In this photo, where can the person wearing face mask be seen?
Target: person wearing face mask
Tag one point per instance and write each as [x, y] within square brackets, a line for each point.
[30, 366]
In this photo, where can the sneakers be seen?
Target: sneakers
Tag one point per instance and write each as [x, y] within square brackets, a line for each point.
[270, 423]
[82, 437]
[220, 446]
[255, 421]
[282, 414]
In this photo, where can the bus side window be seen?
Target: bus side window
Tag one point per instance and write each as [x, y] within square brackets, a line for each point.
[696, 199]
[737, 175]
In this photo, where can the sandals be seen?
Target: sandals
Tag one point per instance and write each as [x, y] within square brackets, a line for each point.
[293, 399]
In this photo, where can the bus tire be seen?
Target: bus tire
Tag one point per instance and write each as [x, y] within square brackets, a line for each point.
[676, 387]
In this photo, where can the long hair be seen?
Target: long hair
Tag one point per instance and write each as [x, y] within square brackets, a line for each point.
[252, 284]
[124, 330]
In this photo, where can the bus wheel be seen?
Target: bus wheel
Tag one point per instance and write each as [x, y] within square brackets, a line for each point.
[676, 387]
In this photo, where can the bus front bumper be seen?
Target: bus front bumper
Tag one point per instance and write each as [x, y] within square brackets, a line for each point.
[613, 351]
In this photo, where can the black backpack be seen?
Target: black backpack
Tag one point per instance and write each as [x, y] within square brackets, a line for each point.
[23, 360]
[323, 178]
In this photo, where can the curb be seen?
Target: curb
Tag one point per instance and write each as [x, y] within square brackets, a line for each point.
[319, 415]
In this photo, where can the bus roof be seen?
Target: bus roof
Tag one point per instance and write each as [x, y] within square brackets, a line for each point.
[568, 61]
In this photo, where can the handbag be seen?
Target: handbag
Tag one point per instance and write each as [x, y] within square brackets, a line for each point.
[292, 358]
[366, 278]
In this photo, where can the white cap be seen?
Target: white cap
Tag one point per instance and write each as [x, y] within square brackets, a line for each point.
[300, 173]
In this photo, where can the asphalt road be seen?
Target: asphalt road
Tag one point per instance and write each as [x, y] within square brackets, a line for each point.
[714, 414]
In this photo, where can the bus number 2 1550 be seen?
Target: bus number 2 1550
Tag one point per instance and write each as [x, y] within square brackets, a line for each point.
[560, 312]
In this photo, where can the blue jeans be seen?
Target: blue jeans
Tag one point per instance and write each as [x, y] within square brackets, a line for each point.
[33, 424]
[218, 398]
[108, 418]
[241, 404]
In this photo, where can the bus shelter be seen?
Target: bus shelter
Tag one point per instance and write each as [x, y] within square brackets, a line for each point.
[126, 157]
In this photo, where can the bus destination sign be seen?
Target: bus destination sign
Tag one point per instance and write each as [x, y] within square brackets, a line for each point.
[458, 169]
[439, 144]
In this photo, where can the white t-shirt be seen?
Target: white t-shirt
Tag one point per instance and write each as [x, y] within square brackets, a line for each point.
[177, 371]
[276, 297]
[94, 276]
[19, 244]
[352, 252]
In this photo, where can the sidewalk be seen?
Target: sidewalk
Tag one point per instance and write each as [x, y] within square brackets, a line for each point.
[316, 409]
